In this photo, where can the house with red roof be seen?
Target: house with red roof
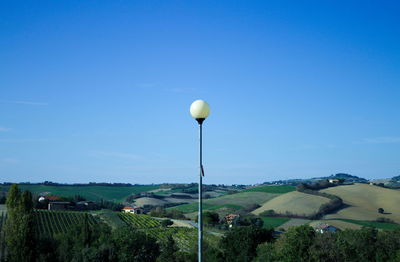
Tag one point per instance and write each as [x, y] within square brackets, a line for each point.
[133, 210]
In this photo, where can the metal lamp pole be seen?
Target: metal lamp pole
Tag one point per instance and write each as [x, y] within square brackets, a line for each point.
[200, 110]
[200, 251]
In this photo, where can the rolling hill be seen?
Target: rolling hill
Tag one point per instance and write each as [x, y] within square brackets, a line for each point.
[90, 192]
[294, 202]
[364, 200]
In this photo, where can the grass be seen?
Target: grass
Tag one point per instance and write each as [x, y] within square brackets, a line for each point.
[374, 224]
[296, 203]
[177, 190]
[274, 222]
[90, 192]
[233, 201]
[271, 189]
[363, 201]
[109, 217]
[193, 207]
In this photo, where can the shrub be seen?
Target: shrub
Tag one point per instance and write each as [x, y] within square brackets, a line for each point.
[166, 223]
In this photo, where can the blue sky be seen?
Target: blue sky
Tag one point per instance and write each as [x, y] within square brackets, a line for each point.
[100, 90]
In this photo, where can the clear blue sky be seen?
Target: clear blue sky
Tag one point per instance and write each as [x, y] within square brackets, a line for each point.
[100, 90]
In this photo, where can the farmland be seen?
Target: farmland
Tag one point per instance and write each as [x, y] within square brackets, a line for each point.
[233, 201]
[271, 189]
[139, 221]
[185, 237]
[53, 222]
[294, 202]
[374, 224]
[363, 202]
[274, 222]
[90, 192]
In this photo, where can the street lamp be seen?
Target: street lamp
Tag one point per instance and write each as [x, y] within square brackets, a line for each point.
[200, 110]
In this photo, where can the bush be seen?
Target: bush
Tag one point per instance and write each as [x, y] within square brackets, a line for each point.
[381, 210]
[166, 223]
[268, 213]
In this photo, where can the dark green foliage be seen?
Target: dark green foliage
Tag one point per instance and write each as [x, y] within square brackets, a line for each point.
[134, 245]
[166, 223]
[294, 245]
[266, 253]
[85, 243]
[168, 250]
[357, 245]
[104, 204]
[248, 221]
[324, 248]
[268, 213]
[210, 218]
[381, 210]
[20, 226]
[304, 244]
[240, 243]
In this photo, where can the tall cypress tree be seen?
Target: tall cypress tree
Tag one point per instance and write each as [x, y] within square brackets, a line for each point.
[20, 226]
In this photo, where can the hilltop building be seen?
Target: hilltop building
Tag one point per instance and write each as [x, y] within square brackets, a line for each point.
[133, 210]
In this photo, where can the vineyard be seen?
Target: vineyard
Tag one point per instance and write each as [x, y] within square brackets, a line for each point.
[184, 237]
[139, 221]
[53, 222]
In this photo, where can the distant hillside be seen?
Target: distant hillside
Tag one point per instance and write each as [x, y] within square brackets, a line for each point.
[347, 177]
[364, 200]
[295, 203]
[90, 192]
[246, 199]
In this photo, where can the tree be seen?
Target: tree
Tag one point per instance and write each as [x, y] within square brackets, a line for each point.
[210, 218]
[168, 250]
[240, 243]
[294, 245]
[166, 223]
[20, 225]
[266, 253]
[357, 245]
[132, 245]
[381, 210]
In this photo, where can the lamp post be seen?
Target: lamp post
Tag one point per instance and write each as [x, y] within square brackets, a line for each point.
[200, 110]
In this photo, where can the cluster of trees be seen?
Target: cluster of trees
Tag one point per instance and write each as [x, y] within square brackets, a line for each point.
[304, 244]
[212, 219]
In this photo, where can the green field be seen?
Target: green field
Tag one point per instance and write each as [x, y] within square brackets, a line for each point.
[233, 201]
[109, 217]
[177, 190]
[374, 224]
[274, 222]
[192, 207]
[139, 221]
[53, 222]
[271, 189]
[90, 192]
